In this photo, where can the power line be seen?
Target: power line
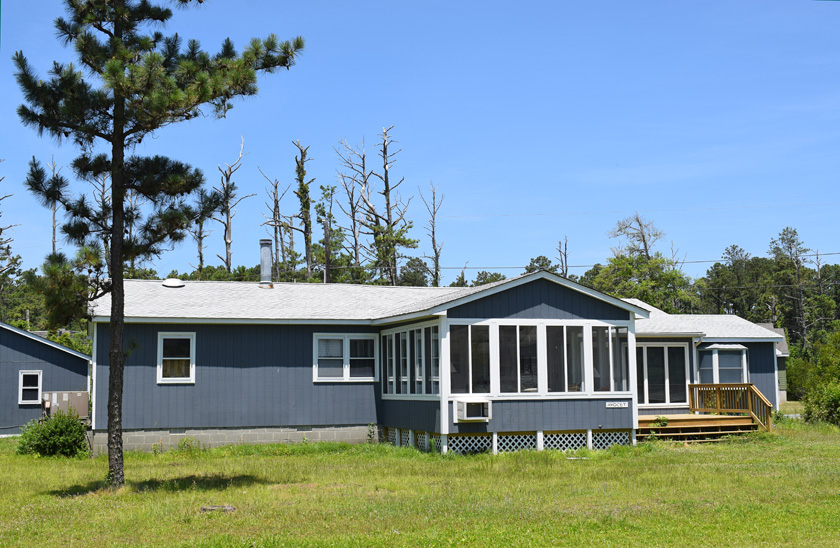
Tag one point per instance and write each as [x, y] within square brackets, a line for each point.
[624, 212]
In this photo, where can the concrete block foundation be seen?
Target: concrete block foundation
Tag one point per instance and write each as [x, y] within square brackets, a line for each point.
[166, 439]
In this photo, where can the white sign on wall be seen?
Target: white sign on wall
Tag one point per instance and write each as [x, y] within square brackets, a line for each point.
[617, 405]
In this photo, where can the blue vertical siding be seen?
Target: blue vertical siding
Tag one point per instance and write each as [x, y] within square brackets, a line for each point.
[761, 356]
[422, 415]
[246, 376]
[533, 415]
[60, 371]
[540, 299]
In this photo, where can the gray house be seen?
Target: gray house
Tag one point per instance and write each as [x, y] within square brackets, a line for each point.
[535, 361]
[31, 366]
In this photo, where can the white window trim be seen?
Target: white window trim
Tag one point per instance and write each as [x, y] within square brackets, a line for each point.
[346, 338]
[175, 335]
[644, 396]
[745, 370]
[392, 381]
[40, 374]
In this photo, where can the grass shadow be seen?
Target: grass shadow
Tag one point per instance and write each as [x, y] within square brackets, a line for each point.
[215, 482]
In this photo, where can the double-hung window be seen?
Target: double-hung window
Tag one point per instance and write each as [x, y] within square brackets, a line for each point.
[29, 388]
[341, 357]
[723, 363]
[176, 358]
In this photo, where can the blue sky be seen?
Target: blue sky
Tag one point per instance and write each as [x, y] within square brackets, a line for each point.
[718, 120]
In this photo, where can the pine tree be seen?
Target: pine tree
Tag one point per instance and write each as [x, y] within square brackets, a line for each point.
[136, 81]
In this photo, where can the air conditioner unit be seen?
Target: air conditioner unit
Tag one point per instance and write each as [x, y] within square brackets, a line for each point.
[473, 411]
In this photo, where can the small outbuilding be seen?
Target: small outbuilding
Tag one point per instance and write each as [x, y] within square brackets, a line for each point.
[30, 367]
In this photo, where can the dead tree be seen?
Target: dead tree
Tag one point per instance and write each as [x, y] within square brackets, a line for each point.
[433, 206]
[53, 204]
[389, 227]
[206, 204]
[563, 256]
[353, 176]
[227, 190]
[305, 215]
[6, 263]
[323, 210]
[276, 222]
[640, 234]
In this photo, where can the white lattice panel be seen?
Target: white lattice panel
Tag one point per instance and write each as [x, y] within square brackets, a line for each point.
[436, 443]
[565, 441]
[605, 440]
[516, 442]
[470, 444]
[391, 435]
[404, 438]
[420, 440]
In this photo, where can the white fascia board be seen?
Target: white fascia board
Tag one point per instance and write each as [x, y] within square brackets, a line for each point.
[741, 339]
[44, 341]
[425, 315]
[670, 334]
[516, 282]
[229, 321]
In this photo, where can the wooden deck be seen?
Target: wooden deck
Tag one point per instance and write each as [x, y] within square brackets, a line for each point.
[694, 428]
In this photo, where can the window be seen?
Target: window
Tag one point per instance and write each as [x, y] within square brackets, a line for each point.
[662, 372]
[518, 358]
[29, 391]
[350, 358]
[176, 358]
[723, 363]
[469, 359]
[411, 359]
[610, 361]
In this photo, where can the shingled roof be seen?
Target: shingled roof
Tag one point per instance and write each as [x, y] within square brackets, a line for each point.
[708, 326]
[151, 300]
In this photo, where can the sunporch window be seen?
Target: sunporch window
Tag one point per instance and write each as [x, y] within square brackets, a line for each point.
[411, 360]
[523, 358]
[661, 374]
[469, 359]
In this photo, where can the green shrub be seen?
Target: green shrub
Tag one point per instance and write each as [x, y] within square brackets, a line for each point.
[822, 403]
[63, 434]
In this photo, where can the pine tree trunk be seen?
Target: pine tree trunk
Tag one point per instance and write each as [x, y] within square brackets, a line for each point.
[116, 326]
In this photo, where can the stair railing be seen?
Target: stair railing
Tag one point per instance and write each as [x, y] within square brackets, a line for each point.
[731, 398]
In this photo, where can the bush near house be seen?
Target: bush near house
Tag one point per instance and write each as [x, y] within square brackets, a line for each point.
[63, 434]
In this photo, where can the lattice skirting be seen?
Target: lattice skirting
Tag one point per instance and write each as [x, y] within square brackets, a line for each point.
[470, 444]
[564, 441]
[515, 442]
[405, 437]
[391, 435]
[420, 440]
[605, 440]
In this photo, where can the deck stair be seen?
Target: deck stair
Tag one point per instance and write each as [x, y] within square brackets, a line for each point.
[693, 428]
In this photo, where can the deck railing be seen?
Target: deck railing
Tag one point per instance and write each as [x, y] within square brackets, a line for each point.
[731, 398]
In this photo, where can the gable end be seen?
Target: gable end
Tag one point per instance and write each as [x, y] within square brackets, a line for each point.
[540, 299]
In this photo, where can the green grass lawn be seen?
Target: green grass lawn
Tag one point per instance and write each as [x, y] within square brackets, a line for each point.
[793, 407]
[780, 489]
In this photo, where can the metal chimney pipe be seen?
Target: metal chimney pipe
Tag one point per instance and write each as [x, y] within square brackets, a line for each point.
[265, 264]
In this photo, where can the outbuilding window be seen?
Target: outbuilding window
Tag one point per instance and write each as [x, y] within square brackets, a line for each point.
[29, 388]
[176, 358]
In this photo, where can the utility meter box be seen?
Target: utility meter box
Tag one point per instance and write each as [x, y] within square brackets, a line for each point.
[64, 401]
